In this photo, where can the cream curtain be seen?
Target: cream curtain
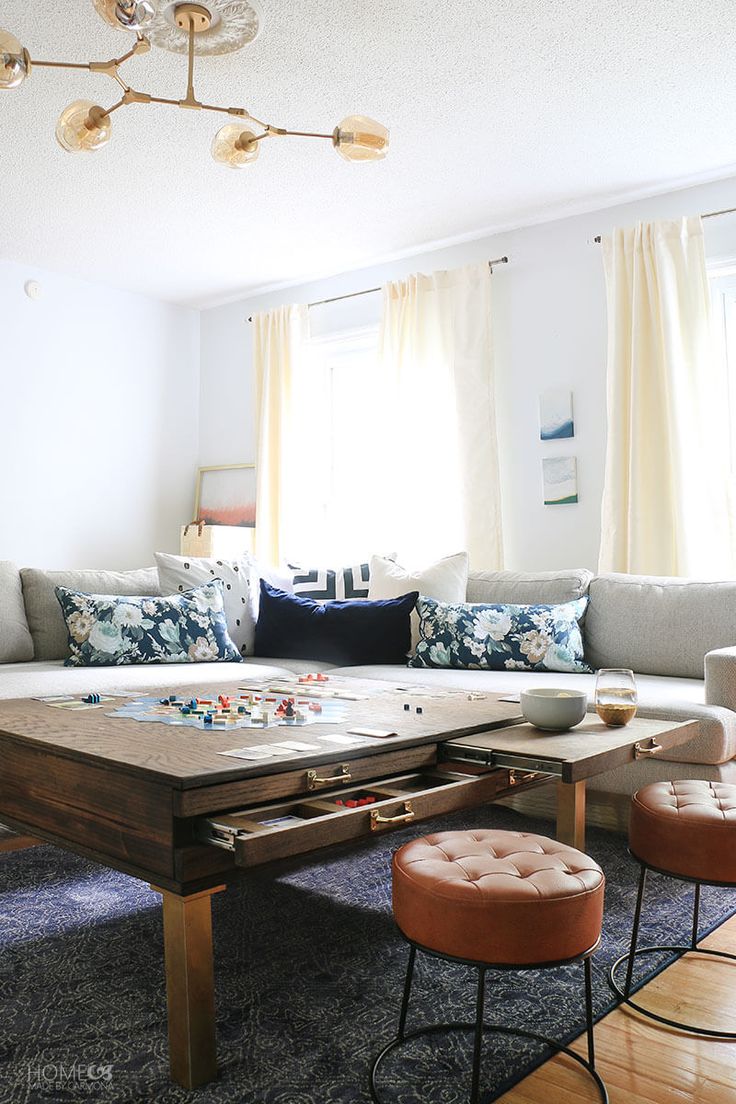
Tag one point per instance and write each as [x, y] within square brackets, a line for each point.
[667, 501]
[279, 339]
[436, 372]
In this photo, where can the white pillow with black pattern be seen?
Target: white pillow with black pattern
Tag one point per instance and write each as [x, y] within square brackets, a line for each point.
[331, 584]
[180, 573]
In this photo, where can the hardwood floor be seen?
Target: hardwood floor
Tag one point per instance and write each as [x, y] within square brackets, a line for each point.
[645, 1063]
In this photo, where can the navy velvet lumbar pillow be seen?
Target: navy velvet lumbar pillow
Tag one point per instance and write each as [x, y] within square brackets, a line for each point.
[345, 633]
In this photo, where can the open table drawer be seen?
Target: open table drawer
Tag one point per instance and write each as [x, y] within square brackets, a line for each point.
[270, 832]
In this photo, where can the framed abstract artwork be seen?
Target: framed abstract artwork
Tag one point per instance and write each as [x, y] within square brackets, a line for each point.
[555, 415]
[560, 476]
[226, 495]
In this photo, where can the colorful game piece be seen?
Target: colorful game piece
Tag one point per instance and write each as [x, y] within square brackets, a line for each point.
[91, 699]
[315, 707]
[241, 709]
[208, 718]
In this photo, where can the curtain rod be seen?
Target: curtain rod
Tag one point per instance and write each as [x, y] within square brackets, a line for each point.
[710, 214]
[371, 291]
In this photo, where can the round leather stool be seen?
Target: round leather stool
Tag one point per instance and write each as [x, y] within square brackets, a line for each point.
[688, 831]
[502, 900]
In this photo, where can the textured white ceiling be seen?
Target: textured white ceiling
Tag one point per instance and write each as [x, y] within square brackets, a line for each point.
[500, 111]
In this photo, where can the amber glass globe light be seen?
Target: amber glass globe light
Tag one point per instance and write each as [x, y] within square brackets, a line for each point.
[130, 15]
[15, 64]
[359, 138]
[83, 127]
[235, 147]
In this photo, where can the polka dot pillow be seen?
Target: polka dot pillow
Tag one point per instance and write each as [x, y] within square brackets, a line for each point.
[179, 573]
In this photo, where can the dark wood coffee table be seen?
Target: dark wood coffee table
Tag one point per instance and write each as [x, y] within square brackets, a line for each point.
[161, 804]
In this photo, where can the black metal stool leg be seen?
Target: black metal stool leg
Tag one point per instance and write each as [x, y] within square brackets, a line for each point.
[635, 931]
[478, 1042]
[407, 992]
[696, 917]
[589, 1012]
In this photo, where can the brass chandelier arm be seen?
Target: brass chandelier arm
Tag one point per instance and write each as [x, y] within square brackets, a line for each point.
[60, 64]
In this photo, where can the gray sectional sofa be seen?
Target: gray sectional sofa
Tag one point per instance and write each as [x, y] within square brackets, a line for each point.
[679, 636]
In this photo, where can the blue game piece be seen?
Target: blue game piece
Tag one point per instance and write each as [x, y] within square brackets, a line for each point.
[185, 710]
[164, 701]
[241, 709]
[92, 699]
[193, 703]
[208, 718]
[172, 699]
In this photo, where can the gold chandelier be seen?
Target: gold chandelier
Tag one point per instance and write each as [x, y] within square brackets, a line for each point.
[217, 27]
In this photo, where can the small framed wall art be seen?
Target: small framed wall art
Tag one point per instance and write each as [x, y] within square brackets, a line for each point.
[560, 476]
[555, 414]
[226, 495]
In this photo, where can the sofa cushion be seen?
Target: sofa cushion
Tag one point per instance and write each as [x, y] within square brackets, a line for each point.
[45, 618]
[112, 630]
[500, 637]
[44, 678]
[658, 626]
[16, 643]
[528, 588]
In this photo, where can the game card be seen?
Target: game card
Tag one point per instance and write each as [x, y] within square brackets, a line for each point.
[247, 753]
[296, 745]
[343, 741]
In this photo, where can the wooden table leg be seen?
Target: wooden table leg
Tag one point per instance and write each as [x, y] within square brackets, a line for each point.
[571, 813]
[190, 986]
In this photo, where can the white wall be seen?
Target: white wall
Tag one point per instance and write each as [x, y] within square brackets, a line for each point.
[98, 422]
[550, 330]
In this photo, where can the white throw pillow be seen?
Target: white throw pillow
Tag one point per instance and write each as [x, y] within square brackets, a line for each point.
[178, 573]
[445, 581]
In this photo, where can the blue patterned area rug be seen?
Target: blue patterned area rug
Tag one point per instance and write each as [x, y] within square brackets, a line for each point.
[309, 972]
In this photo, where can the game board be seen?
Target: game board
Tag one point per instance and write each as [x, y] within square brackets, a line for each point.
[248, 710]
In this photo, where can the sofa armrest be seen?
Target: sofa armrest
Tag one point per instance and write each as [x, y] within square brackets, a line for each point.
[720, 678]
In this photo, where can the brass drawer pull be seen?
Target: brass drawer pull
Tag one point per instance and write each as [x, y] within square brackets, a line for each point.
[377, 820]
[314, 781]
[641, 752]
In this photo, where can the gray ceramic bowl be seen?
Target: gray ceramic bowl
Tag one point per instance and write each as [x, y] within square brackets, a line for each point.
[554, 710]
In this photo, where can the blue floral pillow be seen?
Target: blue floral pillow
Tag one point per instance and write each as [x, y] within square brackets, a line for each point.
[500, 638]
[107, 630]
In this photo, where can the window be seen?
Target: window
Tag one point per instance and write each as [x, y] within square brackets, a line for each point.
[723, 296]
[336, 506]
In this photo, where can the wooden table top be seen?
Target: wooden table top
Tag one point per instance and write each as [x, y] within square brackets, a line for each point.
[185, 757]
[584, 751]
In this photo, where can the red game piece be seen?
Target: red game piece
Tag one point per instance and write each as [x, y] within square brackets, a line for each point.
[351, 804]
[339, 801]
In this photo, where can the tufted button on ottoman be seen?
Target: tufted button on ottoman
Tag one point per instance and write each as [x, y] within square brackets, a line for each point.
[685, 829]
[503, 900]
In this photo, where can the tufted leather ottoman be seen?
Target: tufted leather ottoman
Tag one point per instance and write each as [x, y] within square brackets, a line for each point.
[688, 830]
[501, 897]
[507, 900]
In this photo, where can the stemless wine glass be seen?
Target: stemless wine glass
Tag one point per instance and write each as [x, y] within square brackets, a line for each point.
[615, 696]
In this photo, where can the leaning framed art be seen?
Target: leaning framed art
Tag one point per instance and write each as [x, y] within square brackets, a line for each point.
[226, 495]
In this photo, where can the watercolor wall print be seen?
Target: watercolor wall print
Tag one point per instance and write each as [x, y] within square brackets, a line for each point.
[555, 414]
[560, 477]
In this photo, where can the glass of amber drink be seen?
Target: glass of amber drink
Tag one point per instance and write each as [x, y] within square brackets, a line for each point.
[615, 696]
